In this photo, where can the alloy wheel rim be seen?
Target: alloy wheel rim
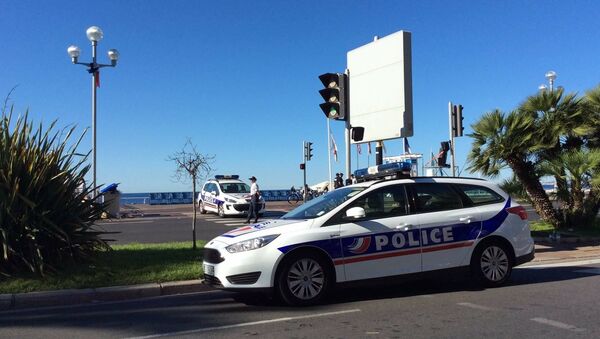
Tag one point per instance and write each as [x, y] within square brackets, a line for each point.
[306, 279]
[494, 263]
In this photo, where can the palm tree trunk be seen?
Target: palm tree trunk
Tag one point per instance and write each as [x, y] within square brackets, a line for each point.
[542, 204]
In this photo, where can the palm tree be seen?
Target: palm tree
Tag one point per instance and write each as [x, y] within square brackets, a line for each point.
[561, 123]
[577, 168]
[510, 140]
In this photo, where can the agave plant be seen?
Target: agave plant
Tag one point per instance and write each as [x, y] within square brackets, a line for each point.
[46, 219]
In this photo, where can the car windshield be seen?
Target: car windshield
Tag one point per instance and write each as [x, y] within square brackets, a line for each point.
[235, 187]
[323, 204]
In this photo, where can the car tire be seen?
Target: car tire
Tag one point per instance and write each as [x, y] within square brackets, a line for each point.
[202, 209]
[221, 211]
[303, 279]
[492, 264]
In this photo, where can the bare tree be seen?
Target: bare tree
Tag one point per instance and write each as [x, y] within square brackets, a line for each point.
[191, 165]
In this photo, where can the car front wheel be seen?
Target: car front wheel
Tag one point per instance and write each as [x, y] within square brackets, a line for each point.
[492, 264]
[221, 211]
[303, 280]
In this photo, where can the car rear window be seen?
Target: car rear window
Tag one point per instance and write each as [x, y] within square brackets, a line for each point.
[480, 195]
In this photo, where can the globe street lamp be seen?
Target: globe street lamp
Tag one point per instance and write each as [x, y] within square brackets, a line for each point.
[551, 76]
[94, 34]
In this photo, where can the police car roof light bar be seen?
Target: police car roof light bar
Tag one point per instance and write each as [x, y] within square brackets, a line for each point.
[226, 176]
[394, 170]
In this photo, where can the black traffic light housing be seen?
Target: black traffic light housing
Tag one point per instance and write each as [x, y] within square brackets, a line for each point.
[308, 150]
[335, 95]
[457, 121]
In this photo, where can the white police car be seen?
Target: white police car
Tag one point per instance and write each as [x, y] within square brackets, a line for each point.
[226, 195]
[375, 229]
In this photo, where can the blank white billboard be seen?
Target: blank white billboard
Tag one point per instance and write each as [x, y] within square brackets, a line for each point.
[381, 87]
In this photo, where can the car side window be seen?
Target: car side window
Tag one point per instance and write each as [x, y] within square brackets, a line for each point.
[433, 197]
[480, 195]
[386, 202]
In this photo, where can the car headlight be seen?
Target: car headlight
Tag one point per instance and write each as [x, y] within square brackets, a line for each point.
[251, 244]
[231, 201]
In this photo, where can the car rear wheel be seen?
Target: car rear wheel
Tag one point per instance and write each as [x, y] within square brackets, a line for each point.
[492, 264]
[303, 279]
[202, 210]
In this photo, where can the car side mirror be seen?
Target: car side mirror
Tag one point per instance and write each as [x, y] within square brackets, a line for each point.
[355, 213]
[213, 193]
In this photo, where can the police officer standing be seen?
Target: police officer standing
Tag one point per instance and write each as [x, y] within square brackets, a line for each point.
[254, 194]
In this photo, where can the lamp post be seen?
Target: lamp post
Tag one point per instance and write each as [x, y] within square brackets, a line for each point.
[94, 34]
[550, 76]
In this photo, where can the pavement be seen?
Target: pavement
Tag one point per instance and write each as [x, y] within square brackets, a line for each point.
[547, 252]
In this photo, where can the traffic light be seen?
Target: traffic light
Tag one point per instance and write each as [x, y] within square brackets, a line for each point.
[457, 121]
[335, 95]
[308, 150]
[302, 167]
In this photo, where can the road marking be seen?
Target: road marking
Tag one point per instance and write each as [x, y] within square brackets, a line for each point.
[475, 306]
[236, 224]
[261, 322]
[223, 221]
[557, 324]
[563, 264]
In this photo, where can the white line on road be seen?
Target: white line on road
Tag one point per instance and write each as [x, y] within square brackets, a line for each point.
[563, 264]
[261, 322]
[475, 306]
[237, 224]
[222, 221]
[557, 324]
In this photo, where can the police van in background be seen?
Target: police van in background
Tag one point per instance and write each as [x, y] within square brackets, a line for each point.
[387, 225]
[226, 195]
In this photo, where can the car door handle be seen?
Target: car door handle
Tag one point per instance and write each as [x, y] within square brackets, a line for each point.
[466, 220]
[334, 235]
[405, 227]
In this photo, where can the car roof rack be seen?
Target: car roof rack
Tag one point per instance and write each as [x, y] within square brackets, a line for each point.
[393, 170]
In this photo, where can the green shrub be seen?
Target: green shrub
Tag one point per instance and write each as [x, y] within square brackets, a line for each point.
[45, 217]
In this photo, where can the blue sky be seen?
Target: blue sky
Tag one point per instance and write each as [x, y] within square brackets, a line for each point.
[240, 77]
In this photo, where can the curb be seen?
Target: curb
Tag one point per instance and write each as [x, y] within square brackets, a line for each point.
[566, 240]
[101, 294]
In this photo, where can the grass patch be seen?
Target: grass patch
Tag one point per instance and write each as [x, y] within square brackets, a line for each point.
[125, 265]
[541, 228]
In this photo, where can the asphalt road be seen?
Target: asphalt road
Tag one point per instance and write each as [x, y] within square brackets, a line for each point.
[550, 302]
[172, 227]
[174, 223]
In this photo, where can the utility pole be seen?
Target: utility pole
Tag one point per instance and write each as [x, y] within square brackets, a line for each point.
[451, 115]
[456, 129]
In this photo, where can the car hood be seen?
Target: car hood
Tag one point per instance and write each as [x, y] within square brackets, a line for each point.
[262, 228]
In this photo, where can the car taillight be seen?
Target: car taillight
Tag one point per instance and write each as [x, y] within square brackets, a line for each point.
[518, 210]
